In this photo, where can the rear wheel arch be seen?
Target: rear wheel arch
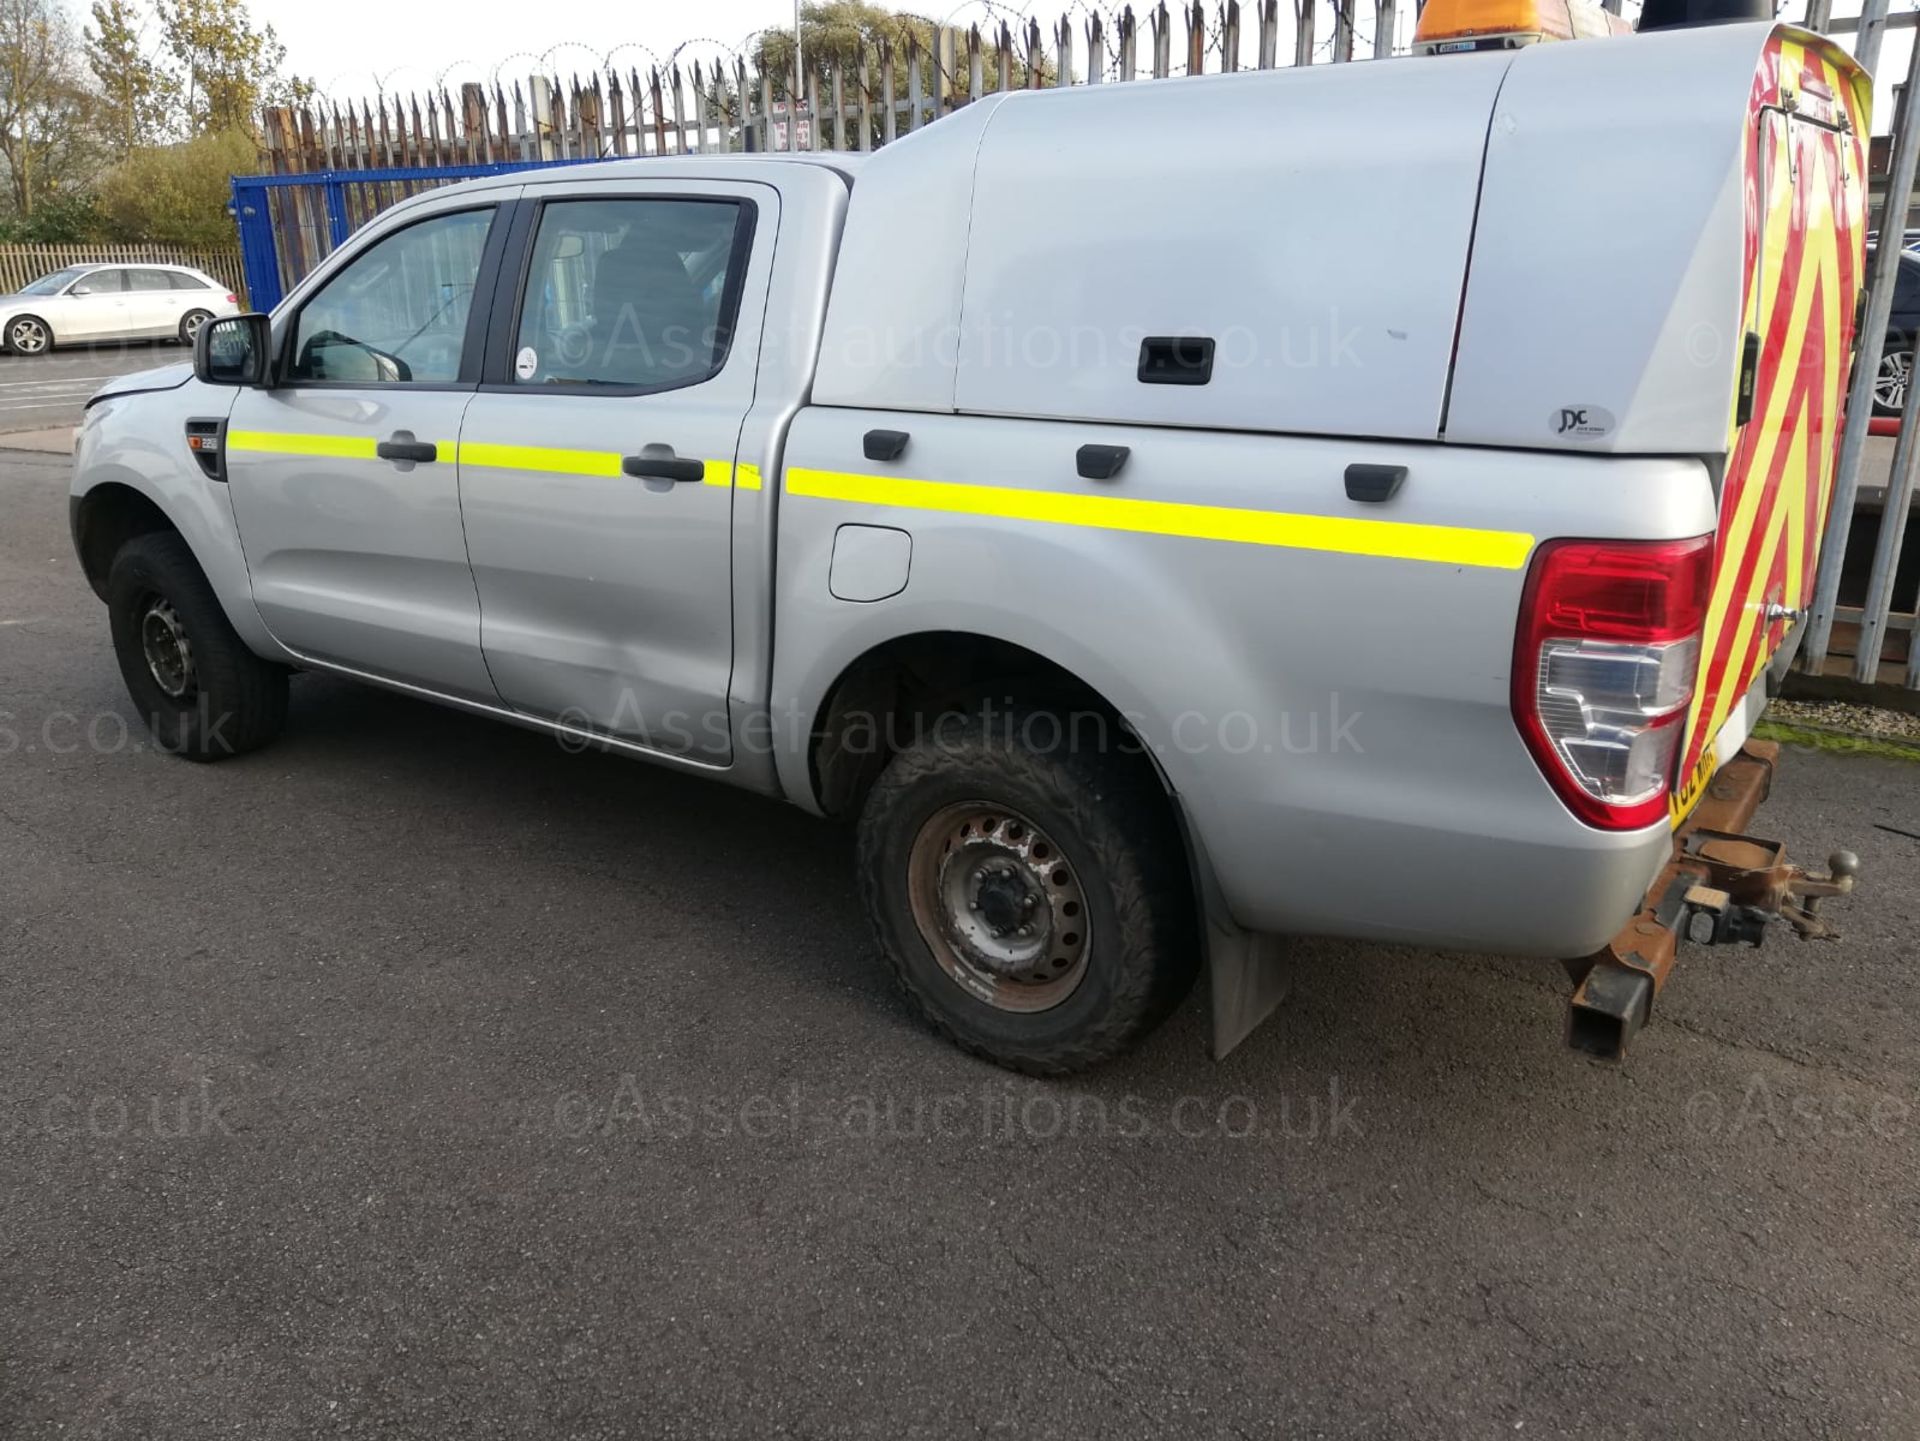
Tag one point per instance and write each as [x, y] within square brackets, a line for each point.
[879, 699]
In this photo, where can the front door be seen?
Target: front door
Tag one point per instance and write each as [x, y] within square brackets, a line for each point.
[597, 462]
[344, 473]
[94, 307]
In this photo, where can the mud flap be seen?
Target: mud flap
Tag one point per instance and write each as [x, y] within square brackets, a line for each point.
[1249, 976]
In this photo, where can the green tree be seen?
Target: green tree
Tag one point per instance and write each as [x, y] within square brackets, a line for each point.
[138, 94]
[46, 112]
[177, 194]
[834, 32]
[228, 68]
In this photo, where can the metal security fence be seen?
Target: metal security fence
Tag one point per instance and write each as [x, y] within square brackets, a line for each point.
[23, 264]
[335, 165]
[1858, 629]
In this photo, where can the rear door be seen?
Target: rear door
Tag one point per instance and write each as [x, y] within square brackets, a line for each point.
[153, 305]
[1805, 222]
[597, 462]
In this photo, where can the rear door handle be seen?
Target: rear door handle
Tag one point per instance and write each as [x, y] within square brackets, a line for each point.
[407, 450]
[663, 464]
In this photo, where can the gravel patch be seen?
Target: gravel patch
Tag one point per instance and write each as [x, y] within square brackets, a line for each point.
[1865, 720]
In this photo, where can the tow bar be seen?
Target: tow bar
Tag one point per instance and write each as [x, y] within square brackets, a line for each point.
[1720, 888]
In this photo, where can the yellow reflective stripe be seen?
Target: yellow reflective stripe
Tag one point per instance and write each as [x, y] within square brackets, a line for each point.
[540, 457]
[581, 462]
[746, 477]
[277, 442]
[1345, 535]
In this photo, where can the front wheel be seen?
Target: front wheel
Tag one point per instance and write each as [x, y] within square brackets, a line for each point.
[203, 694]
[190, 324]
[1029, 892]
[28, 335]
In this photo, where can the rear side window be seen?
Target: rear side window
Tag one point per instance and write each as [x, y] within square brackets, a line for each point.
[397, 313]
[148, 280]
[631, 294]
[180, 280]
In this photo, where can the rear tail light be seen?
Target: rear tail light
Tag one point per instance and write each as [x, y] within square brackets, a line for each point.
[1604, 668]
[232, 299]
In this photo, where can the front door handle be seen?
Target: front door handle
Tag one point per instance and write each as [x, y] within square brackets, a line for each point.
[660, 463]
[407, 450]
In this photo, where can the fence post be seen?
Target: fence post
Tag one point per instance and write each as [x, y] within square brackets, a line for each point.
[1303, 31]
[338, 225]
[866, 101]
[1384, 20]
[888, 120]
[913, 84]
[1868, 348]
[1873, 28]
[1269, 33]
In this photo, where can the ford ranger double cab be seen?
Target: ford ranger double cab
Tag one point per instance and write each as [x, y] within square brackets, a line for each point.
[1163, 518]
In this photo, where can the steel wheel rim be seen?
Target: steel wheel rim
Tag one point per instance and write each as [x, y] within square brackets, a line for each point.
[27, 336]
[168, 651]
[1000, 906]
[1890, 385]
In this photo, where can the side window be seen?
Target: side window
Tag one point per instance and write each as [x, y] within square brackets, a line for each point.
[636, 294]
[398, 312]
[100, 282]
[180, 280]
[148, 280]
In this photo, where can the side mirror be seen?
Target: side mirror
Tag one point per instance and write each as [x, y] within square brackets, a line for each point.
[233, 350]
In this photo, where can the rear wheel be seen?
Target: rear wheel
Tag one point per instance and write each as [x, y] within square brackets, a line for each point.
[203, 694]
[1895, 374]
[28, 335]
[1030, 895]
[190, 324]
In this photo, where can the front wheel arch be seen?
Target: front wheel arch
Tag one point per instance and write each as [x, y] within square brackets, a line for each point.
[105, 519]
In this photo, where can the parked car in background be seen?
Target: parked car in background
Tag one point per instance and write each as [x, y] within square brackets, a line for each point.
[85, 303]
[1903, 325]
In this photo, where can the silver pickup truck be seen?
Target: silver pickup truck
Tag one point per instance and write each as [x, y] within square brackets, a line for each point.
[1365, 500]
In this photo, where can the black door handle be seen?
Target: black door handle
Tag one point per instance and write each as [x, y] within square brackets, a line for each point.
[407, 450]
[1100, 462]
[663, 467]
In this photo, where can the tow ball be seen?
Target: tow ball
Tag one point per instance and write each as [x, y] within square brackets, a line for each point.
[1721, 887]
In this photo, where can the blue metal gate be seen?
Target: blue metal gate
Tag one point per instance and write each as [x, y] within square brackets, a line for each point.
[289, 223]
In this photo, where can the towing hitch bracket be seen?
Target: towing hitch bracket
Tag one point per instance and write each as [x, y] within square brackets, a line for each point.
[1720, 887]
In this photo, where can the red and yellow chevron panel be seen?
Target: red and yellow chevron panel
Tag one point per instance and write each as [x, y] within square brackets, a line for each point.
[1806, 166]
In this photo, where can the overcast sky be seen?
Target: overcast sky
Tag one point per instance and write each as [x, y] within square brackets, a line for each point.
[355, 48]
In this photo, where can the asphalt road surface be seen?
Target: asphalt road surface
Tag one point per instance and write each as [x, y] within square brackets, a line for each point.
[415, 1079]
[47, 390]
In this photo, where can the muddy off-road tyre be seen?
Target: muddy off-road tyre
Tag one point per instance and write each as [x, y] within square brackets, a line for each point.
[202, 693]
[1030, 894]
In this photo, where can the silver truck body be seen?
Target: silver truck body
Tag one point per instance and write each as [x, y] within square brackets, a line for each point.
[1324, 685]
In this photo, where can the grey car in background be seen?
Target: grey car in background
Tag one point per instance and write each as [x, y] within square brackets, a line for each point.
[85, 303]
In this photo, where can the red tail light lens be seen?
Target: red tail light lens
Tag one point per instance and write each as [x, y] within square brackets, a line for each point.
[1604, 667]
[232, 299]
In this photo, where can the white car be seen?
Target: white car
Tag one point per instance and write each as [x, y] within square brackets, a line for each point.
[85, 303]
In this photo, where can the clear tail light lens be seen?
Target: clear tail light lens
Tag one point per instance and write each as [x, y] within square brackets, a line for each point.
[1604, 668]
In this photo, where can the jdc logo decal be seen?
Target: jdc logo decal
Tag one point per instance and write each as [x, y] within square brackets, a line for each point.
[1581, 422]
